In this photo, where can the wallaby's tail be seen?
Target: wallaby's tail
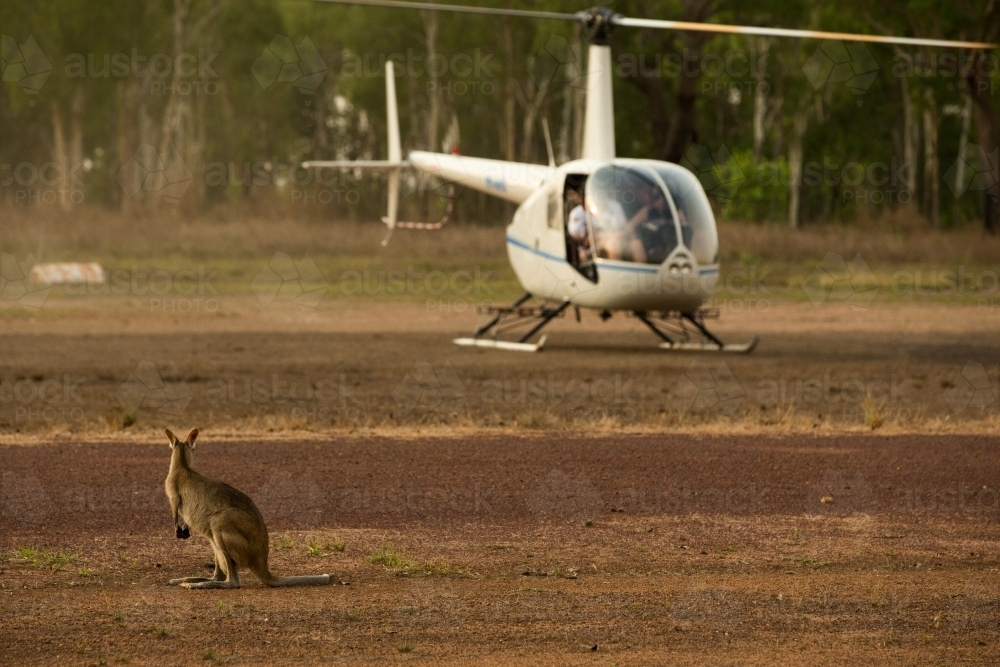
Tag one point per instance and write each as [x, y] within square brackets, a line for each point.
[313, 580]
[271, 580]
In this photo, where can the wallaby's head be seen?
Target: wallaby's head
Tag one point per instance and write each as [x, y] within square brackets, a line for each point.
[182, 453]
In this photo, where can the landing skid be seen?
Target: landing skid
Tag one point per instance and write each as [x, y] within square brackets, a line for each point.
[503, 330]
[687, 332]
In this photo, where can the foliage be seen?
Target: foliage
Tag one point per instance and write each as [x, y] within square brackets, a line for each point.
[243, 92]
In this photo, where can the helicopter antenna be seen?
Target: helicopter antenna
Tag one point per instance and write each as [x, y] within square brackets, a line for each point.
[548, 142]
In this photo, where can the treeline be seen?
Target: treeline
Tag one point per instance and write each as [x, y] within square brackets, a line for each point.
[188, 104]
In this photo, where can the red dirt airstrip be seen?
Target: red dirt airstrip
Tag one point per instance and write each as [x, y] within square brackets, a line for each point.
[542, 549]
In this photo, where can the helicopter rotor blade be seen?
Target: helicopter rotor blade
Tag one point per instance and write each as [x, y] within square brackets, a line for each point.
[784, 32]
[624, 21]
[491, 11]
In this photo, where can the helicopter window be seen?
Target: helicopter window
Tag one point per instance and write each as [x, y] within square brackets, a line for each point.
[697, 222]
[629, 215]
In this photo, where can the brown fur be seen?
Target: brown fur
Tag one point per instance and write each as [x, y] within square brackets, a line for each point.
[228, 518]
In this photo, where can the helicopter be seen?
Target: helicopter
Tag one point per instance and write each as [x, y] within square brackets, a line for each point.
[600, 232]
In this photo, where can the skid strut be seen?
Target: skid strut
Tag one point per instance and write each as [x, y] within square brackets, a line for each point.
[687, 331]
[501, 331]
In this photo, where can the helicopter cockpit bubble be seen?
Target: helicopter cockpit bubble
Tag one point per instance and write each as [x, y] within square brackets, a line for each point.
[630, 215]
[694, 213]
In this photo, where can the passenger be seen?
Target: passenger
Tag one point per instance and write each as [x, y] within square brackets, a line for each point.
[576, 226]
[609, 222]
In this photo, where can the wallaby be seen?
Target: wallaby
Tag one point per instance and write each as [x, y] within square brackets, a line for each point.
[227, 517]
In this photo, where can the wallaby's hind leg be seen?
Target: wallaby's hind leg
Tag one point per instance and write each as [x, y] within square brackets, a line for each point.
[218, 575]
[222, 562]
[233, 581]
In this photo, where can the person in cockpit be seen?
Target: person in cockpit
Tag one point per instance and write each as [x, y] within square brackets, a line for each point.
[648, 226]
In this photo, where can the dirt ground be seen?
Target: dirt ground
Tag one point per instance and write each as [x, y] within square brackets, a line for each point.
[124, 368]
[829, 499]
[544, 549]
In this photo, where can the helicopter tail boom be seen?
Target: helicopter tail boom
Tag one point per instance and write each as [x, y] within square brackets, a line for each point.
[513, 181]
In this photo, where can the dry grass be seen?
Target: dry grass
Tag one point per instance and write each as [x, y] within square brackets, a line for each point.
[788, 424]
[897, 238]
[98, 234]
[236, 232]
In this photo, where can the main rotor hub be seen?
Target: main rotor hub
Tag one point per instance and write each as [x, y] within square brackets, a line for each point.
[599, 23]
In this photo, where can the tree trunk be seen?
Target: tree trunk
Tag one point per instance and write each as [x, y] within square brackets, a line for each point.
[671, 133]
[434, 97]
[987, 133]
[799, 125]
[509, 109]
[126, 112]
[580, 98]
[963, 146]
[911, 139]
[932, 190]
[656, 109]
[532, 103]
[760, 101]
[572, 75]
[60, 153]
[167, 125]
[321, 134]
[681, 130]
[73, 179]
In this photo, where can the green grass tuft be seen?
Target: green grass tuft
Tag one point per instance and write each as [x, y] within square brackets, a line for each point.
[37, 558]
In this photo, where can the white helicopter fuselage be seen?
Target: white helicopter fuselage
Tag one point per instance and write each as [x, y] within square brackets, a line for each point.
[537, 243]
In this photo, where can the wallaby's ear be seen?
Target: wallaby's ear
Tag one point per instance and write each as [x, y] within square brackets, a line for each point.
[172, 438]
[192, 436]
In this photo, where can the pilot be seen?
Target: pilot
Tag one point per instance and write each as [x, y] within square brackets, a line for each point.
[646, 242]
[633, 237]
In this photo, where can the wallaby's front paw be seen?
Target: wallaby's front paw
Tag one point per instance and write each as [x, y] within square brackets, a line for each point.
[183, 532]
[186, 584]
